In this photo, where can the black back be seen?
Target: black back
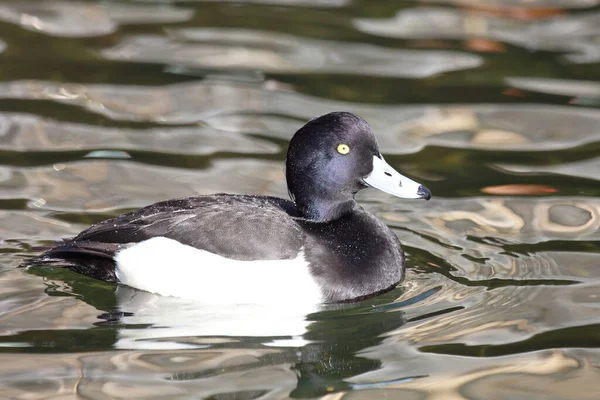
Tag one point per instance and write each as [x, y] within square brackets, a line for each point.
[233, 226]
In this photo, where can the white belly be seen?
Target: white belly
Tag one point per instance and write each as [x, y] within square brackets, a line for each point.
[169, 268]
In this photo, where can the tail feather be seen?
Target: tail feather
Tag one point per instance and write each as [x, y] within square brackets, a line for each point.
[91, 258]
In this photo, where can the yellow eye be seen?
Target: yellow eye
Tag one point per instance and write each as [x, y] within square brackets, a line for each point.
[343, 148]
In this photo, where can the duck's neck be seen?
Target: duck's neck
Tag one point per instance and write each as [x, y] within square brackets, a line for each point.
[319, 210]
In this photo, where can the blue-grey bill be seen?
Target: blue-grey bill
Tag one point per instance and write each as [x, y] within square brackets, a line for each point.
[387, 179]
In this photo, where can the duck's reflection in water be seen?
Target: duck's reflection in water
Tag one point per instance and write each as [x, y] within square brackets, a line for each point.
[228, 344]
[175, 323]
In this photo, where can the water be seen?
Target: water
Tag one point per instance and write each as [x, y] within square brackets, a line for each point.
[109, 106]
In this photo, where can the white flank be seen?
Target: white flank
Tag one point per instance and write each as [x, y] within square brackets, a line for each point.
[169, 268]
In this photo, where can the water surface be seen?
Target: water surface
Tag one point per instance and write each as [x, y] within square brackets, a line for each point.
[109, 106]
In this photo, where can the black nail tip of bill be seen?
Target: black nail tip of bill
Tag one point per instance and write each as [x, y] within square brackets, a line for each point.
[424, 193]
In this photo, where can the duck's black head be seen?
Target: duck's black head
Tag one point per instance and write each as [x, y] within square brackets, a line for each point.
[334, 156]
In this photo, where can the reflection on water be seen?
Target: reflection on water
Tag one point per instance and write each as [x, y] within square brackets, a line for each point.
[82, 19]
[493, 105]
[550, 30]
[271, 52]
[25, 132]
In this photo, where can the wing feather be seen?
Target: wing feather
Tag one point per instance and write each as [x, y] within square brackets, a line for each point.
[238, 227]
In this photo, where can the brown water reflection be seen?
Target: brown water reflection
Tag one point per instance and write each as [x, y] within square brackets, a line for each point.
[493, 105]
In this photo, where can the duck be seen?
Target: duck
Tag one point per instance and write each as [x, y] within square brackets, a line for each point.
[319, 246]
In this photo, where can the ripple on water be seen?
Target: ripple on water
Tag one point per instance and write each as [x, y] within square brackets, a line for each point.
[580, 90]
[31, 309]
[276, 52]
[553, 32]
[97, 185]
[25, 132]
[503, 5]
[82, 19]
[589, 169]
[137, 374]
[520, 239]
[276, 112]
[454, 377]
[298, 3]
[504, 127]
